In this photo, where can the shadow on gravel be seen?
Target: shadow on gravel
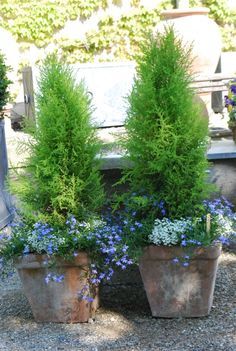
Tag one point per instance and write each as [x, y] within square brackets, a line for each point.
[125, 299]
[125, 293]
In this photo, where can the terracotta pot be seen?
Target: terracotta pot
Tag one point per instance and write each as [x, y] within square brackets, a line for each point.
[232, 126]
[56, 302]
[195, 28]
[176, 291]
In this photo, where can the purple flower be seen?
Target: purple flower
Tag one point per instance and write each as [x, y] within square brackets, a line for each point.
[112, 250]
[185, 264]
[95, 281]
[228, 101]
[223, 240]
[139, 225]
[48, 278]
[110, 272]
[26, 250]
[89, 299]
[233, 88]
[102, 276]
[58, 278]
[125, 248]
[175, 260]
[94, 272]
[163, 212]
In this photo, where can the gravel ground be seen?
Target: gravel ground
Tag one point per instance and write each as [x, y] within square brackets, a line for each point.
[123, 323]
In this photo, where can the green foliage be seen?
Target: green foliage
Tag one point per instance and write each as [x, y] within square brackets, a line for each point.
[115, 39]
[36, 21]
[166, 133]
[62, 174]
[4, 83]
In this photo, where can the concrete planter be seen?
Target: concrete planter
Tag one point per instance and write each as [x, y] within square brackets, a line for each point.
[56, 302]
[176, 291]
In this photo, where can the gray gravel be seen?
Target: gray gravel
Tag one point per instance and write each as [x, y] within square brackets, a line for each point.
[123, 323]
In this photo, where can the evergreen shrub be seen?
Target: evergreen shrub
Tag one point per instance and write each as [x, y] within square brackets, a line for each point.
[62, 175]
[166, 133]
[166, 143]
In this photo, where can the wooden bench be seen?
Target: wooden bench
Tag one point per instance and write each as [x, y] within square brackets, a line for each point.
[202, 84]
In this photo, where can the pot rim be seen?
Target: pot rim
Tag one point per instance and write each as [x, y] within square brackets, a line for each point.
[183, 12]
[31, 261]
[161, 252]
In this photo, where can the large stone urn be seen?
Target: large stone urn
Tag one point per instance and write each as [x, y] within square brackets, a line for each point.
[174, 290]
[57, 301]
[195, 28]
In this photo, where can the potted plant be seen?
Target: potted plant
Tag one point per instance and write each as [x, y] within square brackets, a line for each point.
[169, 226]
[5, 204]
[59, 243]
[230, 104]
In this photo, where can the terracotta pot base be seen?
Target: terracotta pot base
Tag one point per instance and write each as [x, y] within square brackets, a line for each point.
[176, 291]
[56, 302]
[233, 129]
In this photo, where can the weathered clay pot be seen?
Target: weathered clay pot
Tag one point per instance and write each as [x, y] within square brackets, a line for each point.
[195, 28]
[176, 291]
[232, 126]
[56, 302]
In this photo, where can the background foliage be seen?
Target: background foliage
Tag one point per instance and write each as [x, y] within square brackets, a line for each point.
[33, 21]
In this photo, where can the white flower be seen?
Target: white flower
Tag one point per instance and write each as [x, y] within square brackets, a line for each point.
[42, 244]
[167, 232]
[226, 226]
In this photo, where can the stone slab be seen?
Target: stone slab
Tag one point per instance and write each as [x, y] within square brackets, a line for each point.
[223, 148]
[220, 149]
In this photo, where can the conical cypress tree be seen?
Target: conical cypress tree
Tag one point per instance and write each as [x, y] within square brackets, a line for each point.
[166, 133]
[62, 174]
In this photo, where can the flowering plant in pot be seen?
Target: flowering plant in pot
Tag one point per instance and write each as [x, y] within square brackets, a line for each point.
[59, 243]
[230, 104]
[170, 225]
